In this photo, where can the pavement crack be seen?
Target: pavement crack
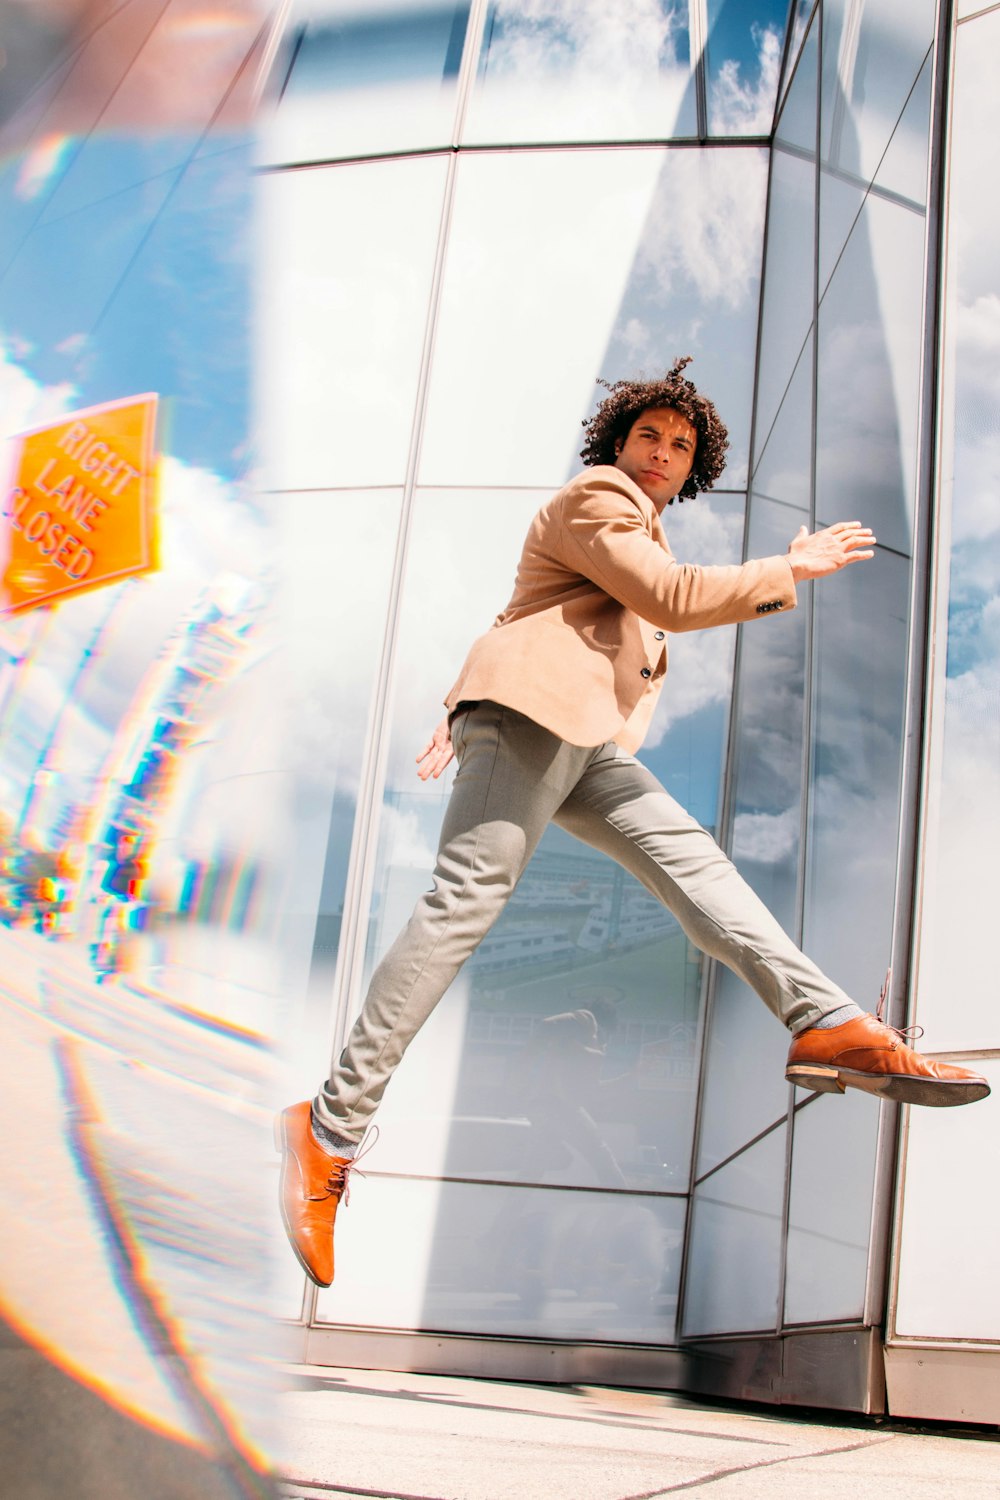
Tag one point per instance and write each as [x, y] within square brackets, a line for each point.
[763, 1463]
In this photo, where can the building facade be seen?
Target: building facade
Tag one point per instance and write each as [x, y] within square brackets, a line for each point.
[469, 214]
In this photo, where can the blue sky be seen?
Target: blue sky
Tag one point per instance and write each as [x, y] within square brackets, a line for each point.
[125, 267]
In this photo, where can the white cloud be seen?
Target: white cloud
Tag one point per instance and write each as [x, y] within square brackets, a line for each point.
[766, 837]
[705, 224]
[700, 670]
[579, 69]
[401, 833]
[701, 667]
[741, 107]
[24, 401]
[542, 36]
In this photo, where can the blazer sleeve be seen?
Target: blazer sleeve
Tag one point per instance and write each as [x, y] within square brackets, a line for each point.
[605, 537]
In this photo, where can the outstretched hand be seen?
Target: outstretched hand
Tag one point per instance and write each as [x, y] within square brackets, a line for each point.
[436, 754]
[822, 552]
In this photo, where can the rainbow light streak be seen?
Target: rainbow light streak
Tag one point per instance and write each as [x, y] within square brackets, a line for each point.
[218, 1432]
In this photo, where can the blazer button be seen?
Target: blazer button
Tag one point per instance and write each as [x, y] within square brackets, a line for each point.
[645, 672]
[658, 636]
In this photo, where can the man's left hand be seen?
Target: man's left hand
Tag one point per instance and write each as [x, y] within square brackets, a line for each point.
[436, 754]
[829, 550]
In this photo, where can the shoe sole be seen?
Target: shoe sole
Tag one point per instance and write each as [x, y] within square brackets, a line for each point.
[281, 1147]
[901, 1089]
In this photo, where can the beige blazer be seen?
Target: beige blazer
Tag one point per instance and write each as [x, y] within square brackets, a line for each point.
[582, 646]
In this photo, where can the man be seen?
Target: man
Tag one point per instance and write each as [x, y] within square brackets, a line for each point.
[545, 717]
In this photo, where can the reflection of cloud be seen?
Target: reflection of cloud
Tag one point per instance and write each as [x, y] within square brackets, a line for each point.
[767, 838]
[627, 41]
[701, 662]
[861, 451]
[401, 832]
[976, 513]
[707, 227]
[977, 329]
[701, 673]
[743, 107]
[566, 69]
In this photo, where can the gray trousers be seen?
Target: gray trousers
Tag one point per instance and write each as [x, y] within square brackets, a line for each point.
[514, 779]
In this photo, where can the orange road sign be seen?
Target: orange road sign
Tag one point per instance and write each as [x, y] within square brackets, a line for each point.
[79, 510]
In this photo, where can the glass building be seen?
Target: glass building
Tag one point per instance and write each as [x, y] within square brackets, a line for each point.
[590, 1165]
[374, 257]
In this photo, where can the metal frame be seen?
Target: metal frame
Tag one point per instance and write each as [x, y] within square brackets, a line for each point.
[498, 1358]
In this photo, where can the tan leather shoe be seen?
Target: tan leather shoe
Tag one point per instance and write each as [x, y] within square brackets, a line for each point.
[865, 1054]
[311, 1186]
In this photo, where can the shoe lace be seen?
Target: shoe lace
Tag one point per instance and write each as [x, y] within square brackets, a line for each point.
[905, 1033]
[340, 1171]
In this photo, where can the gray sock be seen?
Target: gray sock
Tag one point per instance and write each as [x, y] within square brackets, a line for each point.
[838, 1017]
[332, 1143]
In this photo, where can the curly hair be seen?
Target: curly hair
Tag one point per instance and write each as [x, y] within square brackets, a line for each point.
[616, 414]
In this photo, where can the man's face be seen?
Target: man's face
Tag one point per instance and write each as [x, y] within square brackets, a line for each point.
[658, 453]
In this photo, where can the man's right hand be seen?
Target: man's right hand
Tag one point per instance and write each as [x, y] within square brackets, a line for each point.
[829, 550]
[436, 754]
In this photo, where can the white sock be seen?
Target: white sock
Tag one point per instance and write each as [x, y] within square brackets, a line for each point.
[837, 1017]
[332, 1143]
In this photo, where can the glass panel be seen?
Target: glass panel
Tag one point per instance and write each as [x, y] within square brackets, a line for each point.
[801, 13]
[745, 1040]
[343, 318]
[337, 557]
[871, 59]
[948, 1286]
[829, 1210]
[549, 71]
[959, 863]
[903, 168]
[860, 644]
[902, 173]
[768, 772]
[743, 56]
[497, 1259]
[650, 286]
[789, 273]
[784, 470]
[868, 378]
[734, 1249]
[361, 77]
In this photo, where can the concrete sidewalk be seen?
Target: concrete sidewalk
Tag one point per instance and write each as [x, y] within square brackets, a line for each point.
[422, 1437]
